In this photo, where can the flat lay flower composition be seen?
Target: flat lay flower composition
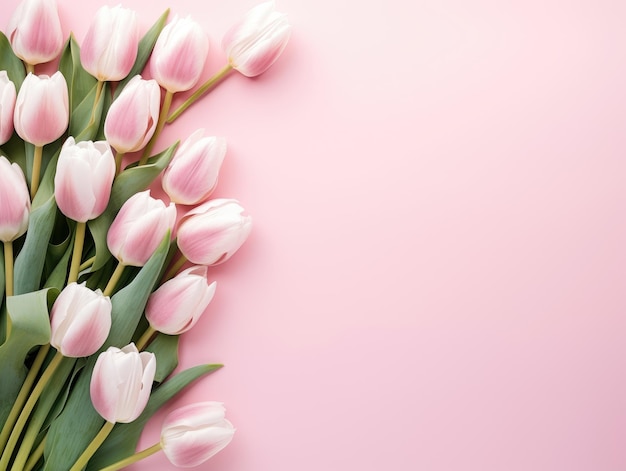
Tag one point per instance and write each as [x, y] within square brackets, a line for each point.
[101, 275]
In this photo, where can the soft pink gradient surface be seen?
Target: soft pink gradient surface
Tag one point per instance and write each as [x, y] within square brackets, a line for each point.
[435, 277]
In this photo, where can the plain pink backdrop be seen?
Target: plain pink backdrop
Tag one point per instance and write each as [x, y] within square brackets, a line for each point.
[435, 277]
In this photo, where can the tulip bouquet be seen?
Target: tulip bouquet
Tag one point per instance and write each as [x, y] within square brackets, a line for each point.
[107, 244]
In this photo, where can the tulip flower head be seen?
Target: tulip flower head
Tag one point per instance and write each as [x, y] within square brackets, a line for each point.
[254, 44]
[179, 55]
[211, 233]
[80, 321]
[192, 434]
[192, 174]
[8, 96]
[83, 180]
[121, 383]
[35, 31]
[14, 201]
[110, 46]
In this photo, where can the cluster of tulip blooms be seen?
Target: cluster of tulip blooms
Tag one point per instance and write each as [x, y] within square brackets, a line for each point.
[100, 278]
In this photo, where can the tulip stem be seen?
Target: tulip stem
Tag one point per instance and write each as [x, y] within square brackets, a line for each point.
[28, 408]
[174, 268]
[8, 268]
[133, 458]
[165, 109]
[34, 180]
[87, 263]
[99, 87]
[204, 88]
[35, 455]
[79, 242]
[118, 162]
[115, 277]
[145, 339]
[93, 446]
[23, 394]
[30, 68]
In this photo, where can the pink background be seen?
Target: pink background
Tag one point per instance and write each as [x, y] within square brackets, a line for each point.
[435, 276]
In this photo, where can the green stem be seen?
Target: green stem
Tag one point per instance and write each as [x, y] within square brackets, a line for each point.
[28, 408]
[23, 394]
[35, 456]
[165, 109]
[118, 162]
[8, 268]
[93, 446]
[115, 277]
[99, 87]
[34, 180]
[145, 339]
[77, 254]
[133, 458]
[204, 88]
[87, 263]
[30, 68]
[174, 268]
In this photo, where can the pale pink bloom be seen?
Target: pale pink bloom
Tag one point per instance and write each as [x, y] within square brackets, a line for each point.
[14, 201]
[7, 106]
[83, 179]
[177, 304]
[121, 383]
[194, 433]
[133, 116]
[191, 176]
[35, 32]
[42, 109]
[80, 321]
[139, 228]
[211, 233]
[254, 44]
[179, 55]
[110, 46]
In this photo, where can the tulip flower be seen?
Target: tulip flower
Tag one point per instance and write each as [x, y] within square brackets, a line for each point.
[177, 304]
[121, 383]
[139, 228]
[7, 106]
[35, 31]
[254, 44]
[192, 434]
[14, 201]
[211, 233]
[80, 321]
[179, 55]
[110, 46]
[191, 176]
[83, 180]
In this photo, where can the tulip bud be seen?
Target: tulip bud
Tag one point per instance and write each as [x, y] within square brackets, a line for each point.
[7, 106]
[139, 228]
[110, 46]
[83, 180]
[255, 43]
[177, 304]
[191, 176]
[14, 201]
[80, 321]
[211, 233]
[121, 383]
[133, 116]
[179, 55]
[35, 31]
[192, 434]
[42, 108]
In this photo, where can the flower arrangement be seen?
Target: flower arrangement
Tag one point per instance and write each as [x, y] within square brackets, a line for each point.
[95, 289]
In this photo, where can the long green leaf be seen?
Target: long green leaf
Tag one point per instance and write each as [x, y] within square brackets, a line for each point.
[79, 81]
[11, 63]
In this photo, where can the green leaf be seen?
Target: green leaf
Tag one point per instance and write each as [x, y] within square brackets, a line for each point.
[29, 326]
[165, 348]
[122, 442]
[14, 150]
[79, 81]
[85, 120]
[11, 63]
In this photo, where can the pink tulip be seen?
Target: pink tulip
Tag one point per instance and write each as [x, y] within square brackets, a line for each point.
[133, 116]
[80, 321]
[177, 304]
[35, 31]
[192, 434]
[121, 383]
[191, 176]
[179, 55]
[254, 44]
[14, 201]
[83, 179]
[42, 109]
[211, 233]
[110, 46]
[7, 107]
[139, 228]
